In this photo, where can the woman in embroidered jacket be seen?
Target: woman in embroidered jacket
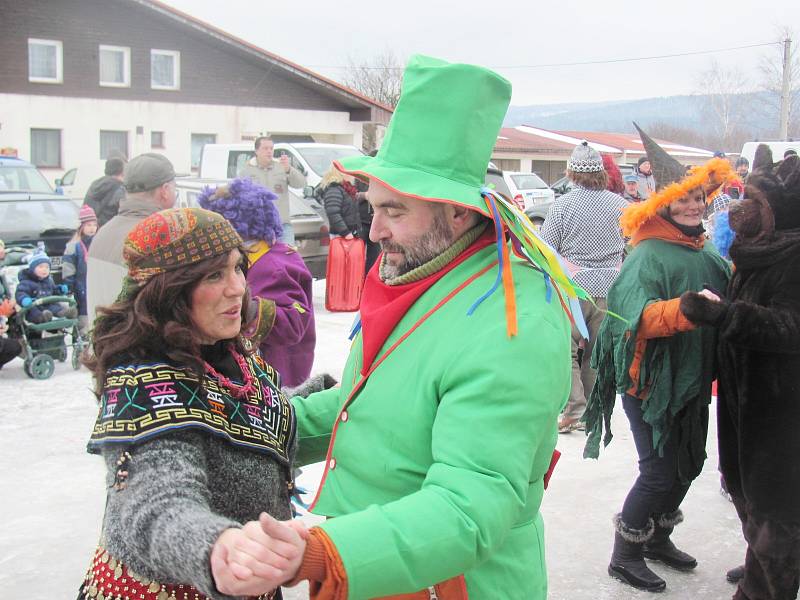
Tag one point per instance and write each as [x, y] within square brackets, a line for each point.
[196, 435]
[659, 362]
[277, 277]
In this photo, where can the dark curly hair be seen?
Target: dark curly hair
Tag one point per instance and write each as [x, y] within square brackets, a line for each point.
[154, 323]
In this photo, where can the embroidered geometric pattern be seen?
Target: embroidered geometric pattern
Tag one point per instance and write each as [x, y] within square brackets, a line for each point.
[144, 400]
[585, 165]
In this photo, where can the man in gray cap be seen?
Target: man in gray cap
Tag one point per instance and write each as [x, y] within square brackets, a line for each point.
[149, 181]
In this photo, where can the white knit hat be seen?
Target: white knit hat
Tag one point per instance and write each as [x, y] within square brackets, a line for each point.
[585, 159]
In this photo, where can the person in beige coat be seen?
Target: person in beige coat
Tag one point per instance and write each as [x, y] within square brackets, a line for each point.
[277, 176]
[150, 185]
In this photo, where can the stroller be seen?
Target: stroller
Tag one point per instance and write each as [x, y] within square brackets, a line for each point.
[44, 343]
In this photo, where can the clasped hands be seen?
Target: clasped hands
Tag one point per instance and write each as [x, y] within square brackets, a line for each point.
[258, 557]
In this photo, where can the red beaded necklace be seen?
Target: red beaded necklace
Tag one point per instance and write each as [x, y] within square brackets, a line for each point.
[239, 391]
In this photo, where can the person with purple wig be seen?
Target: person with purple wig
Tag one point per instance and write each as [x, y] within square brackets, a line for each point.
[277, 277]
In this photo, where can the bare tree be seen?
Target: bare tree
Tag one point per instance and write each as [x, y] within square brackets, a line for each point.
[720, 93]
[379, 78]
[680, 135]
[770, 69]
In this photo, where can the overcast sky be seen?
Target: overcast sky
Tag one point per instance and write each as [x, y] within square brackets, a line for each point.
[323, 35]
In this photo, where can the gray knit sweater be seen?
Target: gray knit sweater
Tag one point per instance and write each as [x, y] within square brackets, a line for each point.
[183, 490]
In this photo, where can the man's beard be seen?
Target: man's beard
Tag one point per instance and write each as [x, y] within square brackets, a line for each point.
[421, 250]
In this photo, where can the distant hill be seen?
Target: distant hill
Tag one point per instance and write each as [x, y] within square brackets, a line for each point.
[757, 117]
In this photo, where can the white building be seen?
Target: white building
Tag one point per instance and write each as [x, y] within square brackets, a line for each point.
[83, 78]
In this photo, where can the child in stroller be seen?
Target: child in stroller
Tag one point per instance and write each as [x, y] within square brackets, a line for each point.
[35, 282]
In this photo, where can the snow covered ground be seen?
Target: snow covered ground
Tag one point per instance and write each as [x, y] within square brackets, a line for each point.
[52, 494]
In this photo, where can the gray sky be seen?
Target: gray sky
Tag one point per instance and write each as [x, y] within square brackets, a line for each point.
[322, 35]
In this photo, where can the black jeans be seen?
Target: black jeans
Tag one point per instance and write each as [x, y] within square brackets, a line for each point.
[657, 490]
[772, 563]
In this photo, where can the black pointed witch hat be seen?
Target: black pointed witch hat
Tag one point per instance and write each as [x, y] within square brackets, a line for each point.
[666, 169]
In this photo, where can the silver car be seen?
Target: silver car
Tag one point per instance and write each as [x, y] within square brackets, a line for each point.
[310, 224]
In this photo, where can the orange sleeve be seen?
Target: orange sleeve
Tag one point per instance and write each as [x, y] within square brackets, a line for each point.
[659, 319]
[663, 319]
[323, 568]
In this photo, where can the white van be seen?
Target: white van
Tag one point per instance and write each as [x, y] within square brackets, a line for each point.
[224, 161]
[778, 148]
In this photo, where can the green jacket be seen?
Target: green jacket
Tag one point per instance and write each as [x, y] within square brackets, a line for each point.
[676, 371]
[440, 457]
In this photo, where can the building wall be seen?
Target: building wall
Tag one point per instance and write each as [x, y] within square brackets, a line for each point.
[81, 119]
[211, 71]
[550, 167]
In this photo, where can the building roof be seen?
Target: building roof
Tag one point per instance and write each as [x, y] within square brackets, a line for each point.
[529, 139]
[350, 97]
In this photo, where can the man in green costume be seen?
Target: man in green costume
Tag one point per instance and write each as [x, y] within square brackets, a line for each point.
[438, 441]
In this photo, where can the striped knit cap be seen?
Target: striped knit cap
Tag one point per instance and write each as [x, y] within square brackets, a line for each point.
[174, 238]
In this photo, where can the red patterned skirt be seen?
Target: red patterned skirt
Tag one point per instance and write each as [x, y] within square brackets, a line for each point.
[109, 579]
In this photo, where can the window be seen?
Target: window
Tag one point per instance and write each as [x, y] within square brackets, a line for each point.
[45, 61]
[198, 141]
[507, 164]
[46, 147]
[113, 143]
[165, 69]
[156, 139]
[115, 66]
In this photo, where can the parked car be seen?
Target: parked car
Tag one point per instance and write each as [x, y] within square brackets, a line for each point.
[32, 214]
[224, 161]
[537, 212]
[528, 189]
[75, 182]
[564, 185]
[310, 223]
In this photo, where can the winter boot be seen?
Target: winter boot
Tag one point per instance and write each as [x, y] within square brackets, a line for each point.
[627, 562]
[735, 575]
[661, 548]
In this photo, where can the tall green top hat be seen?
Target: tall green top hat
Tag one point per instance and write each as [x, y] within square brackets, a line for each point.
[442, 133]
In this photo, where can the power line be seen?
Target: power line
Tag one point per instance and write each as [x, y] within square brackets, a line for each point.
[575, 64]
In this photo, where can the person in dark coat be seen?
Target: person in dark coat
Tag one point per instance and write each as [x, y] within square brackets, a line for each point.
[758, 408]
[339, 200]
[365, 213]
[9, 347]
[104, 194]
[74, 262]
[35, 282]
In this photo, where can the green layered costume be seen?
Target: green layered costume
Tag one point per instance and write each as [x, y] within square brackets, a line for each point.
[676, 372]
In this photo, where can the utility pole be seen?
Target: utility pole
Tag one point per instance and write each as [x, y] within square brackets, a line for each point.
[784, 129]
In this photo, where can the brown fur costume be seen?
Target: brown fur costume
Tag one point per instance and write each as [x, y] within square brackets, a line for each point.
[758, 409]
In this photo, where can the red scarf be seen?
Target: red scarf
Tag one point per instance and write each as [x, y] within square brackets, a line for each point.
[382, 305]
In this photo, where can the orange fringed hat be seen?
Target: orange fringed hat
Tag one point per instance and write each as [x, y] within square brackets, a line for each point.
[671, 187]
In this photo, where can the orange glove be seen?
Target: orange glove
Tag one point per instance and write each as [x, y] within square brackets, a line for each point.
[6, 308]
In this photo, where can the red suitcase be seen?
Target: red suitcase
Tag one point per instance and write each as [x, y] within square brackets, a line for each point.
[344, 278]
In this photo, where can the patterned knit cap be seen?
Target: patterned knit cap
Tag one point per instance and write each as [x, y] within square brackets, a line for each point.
[174, 238]
[585, 159]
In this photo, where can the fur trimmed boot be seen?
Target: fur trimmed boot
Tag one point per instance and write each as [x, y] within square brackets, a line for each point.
[627, 561]
[661, 548]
